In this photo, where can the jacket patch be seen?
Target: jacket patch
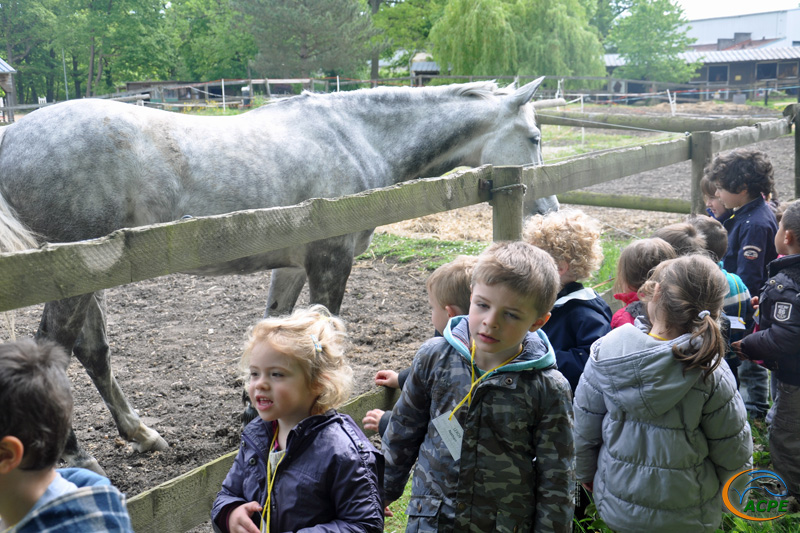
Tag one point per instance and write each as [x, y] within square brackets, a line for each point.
[751, 252]
[782, 312]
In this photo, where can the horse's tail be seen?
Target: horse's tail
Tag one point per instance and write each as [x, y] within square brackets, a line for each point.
[14, 236]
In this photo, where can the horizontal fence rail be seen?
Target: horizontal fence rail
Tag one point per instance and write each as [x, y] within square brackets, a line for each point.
[57, 271]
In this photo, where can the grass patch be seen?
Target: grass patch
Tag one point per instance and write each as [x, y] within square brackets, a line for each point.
[397, 523]
[432, 253]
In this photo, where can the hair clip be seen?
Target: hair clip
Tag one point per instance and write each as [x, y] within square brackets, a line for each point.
[317, 345]
[702, 314]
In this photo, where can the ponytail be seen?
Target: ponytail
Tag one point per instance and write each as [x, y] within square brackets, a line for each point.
[691, 291]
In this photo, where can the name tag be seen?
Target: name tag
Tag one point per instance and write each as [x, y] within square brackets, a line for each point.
[737, 323]
[451, 433]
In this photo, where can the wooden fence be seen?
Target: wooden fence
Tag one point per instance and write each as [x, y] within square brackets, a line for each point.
[57, 271]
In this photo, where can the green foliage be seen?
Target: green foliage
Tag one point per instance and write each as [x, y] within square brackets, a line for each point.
[405, 26]
[209, 38]
[301, 38]
[505, 37]
[397, 523]
[431, 252]
[605, 14]
[649, 39]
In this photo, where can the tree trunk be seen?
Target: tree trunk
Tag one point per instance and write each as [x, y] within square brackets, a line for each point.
[90, 76]
[376, 55]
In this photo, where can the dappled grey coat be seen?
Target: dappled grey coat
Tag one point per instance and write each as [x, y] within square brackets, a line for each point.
[658, 443]
[517, 456]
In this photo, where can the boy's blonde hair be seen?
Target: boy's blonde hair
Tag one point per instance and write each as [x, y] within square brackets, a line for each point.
[450, 283]
[684, 237]
[569, 235]
[638, 259]
[317, 341]
[522, 268]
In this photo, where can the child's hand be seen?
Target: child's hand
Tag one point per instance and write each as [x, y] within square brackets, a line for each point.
[754, 302]
[737, 349]
[387, 378]
[239, 520]
[589, 486]
[372, 420]
[387, 512]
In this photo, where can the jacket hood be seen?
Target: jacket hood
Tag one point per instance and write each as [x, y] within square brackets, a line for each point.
[641, 372]
[537, 353]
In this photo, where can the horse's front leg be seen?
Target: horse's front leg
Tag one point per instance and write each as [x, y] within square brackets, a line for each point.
[328, 264]
[91, 349]
[284, 289]
[61, 322]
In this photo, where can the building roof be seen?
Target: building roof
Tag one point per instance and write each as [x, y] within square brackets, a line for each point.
[430, 67]
[5, 68]
[725, 56]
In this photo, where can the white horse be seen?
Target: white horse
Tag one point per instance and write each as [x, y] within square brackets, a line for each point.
[84, 168]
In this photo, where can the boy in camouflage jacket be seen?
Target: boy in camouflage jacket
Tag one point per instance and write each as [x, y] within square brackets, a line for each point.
[485, 413]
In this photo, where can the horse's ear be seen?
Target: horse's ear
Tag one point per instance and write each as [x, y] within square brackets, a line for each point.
[524, 94]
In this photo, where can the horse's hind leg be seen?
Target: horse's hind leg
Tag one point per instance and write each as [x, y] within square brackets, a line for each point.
[62, 321]
[91, 349]
[284, 289]
[328, 266]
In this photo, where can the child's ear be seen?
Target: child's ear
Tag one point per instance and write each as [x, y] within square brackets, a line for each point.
[11, 452]
[542, 320]
[453, 310]
[789, 238]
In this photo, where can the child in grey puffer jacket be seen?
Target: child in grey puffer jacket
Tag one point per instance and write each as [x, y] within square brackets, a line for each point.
[659, 424]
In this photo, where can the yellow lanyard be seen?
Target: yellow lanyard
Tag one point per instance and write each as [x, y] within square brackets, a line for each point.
[270, 482]
[468, 397]
[657, 337]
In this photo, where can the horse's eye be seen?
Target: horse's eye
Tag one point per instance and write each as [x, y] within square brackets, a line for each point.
[535, 140]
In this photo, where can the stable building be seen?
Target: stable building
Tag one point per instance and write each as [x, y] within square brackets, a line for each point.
[7, 84]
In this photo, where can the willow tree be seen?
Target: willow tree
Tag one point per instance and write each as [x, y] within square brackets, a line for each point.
[509, 37]
[475, 37]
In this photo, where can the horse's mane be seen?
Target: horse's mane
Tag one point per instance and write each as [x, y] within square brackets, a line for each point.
[484, 90]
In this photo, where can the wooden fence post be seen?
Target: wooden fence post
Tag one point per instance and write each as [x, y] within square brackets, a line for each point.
[508, 193]
[701, 151]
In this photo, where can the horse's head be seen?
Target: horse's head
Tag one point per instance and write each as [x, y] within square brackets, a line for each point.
[517, 140]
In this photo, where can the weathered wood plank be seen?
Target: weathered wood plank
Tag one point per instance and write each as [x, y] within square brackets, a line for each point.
[645, 203]
[595, 168]
[742, 136]
[133, 254]
[508, 193]
[702, 142]
[185, 501]
[651, 122]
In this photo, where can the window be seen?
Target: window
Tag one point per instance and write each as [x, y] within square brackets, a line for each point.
[766, 71]
[718, 74]
[787, 70]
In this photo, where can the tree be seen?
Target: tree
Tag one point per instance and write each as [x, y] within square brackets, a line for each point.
[649, 39]
[475, 37]
[307, 37]
[510, 37]
[209, 40]
[606, 13]
[406, 26]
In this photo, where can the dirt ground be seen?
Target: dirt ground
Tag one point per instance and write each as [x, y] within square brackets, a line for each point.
[176, 340]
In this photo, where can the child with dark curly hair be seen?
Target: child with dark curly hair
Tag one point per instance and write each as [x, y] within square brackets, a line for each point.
[744, 179]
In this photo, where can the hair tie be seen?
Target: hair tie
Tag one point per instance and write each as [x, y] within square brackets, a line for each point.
[702, 314]
[317, 345]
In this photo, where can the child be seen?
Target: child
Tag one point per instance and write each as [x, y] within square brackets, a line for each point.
[736, 306]
[684, 238]
[301, 464]
[714, 207]
[493, 374]
[659, 424]
[448, 295]
[633, 268]
[35, 419]
[743, 178]
[580, 316]
[777, 343]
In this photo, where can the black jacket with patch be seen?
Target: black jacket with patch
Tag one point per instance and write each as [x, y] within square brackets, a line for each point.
[777, 341]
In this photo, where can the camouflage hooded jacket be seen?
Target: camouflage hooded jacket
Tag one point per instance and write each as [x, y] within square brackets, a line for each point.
[516, 470]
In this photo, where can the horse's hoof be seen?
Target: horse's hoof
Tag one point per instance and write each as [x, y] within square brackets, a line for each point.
[148, 440]
[92, 464]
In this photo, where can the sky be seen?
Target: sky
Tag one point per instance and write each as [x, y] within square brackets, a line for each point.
[703, 9]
